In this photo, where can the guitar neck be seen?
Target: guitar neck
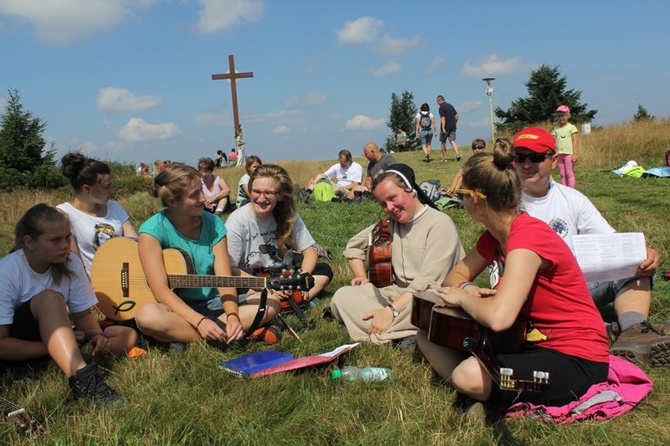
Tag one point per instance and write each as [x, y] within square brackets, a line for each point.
[198, 281]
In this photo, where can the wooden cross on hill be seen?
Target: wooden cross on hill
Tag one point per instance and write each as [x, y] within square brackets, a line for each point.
[233, 76]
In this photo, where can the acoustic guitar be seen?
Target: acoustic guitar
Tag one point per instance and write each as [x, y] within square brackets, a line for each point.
[380, 269]
[453, 328]
[26, 423]
[121, 287]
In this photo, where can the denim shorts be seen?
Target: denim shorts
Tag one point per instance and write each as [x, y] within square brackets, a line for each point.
[426, 136]
[604, 293]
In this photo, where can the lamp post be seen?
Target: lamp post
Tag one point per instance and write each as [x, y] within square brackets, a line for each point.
[489, 93]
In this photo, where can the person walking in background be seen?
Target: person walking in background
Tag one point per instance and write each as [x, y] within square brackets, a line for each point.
[243, 195]
[425, 129]
[240, 146]
[401, 140]
[214, 187]
[189, 314]
[448, 121]
[566, 145]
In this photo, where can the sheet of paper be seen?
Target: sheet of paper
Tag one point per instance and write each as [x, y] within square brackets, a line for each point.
[605, 257]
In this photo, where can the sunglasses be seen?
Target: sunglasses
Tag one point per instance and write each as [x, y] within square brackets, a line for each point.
[461, 192]
[534, 157]
[478, 148]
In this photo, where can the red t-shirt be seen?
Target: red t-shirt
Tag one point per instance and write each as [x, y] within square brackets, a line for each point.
[560, 310]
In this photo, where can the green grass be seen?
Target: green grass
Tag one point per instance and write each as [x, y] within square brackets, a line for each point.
[184, 398]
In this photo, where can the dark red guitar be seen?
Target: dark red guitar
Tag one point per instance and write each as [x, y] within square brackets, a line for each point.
[453, 328]
[26, 423]
[380, 270]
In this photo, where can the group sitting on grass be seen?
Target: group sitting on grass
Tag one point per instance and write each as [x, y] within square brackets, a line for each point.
[533, 273]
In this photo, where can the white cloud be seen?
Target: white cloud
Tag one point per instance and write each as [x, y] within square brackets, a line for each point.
[281, 130]
[362, 122]
[392, 46]
[138, 130]
[363, 30]
[112, 100]
[223, 14]
[468, 106]
[312, 98]
[437, 64]
[63, 22]
[491, 65]
[392, 66]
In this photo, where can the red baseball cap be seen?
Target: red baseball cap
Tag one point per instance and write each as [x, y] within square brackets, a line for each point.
[536, 139]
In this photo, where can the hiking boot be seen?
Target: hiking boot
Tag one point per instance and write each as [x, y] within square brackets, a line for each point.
[663, 328]
[642, 344]
[86, 383]
[358, 197]
[367, 195]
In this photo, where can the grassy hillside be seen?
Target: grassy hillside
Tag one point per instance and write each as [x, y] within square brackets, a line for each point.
[184, 398]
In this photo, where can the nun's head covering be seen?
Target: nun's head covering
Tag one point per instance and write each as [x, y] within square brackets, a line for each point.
[407, 175]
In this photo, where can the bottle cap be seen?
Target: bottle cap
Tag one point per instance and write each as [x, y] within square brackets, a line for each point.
[337, 374]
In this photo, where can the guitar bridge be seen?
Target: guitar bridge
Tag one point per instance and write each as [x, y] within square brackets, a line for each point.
[125, 281]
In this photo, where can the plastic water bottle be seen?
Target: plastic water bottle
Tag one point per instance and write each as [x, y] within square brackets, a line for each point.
[368, 374]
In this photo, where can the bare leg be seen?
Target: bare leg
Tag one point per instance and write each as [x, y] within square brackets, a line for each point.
[635, 296]
[121, 339]
[159, 322]
[49, 308]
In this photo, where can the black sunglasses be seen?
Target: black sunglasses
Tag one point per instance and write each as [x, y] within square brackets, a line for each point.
[478, 147]
[534, 157]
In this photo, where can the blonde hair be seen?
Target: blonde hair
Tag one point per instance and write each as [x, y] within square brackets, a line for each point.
[494, 175]
[32, 224]
[172, 182]
[284, 212]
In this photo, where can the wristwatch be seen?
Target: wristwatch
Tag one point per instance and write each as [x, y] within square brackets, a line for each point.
[394, 312]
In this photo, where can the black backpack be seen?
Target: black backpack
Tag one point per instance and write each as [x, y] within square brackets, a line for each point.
[424, 121]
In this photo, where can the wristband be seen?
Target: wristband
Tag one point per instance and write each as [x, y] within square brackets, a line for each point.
[200, 322]
[99, 333]
[462, 285]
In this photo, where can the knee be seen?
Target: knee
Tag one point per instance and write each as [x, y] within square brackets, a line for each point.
[467, 380]
[151, 317]
[48, 302]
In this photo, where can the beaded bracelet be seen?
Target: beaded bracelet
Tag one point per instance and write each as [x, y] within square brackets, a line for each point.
[462, 285]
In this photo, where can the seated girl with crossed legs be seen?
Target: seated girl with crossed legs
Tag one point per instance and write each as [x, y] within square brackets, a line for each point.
[534, 276]
[195, 313]
[43, 290]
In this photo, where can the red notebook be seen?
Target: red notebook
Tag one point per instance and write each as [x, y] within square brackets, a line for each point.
[305, 361]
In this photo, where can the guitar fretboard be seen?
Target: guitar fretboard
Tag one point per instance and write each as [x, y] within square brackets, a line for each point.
[198, 281]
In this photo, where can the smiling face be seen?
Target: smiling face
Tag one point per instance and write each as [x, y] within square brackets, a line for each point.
[535, 177]
[192, 201]
[397, 203]
[265, 195]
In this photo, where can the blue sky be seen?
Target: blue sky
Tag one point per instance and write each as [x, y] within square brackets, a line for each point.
[130, 80]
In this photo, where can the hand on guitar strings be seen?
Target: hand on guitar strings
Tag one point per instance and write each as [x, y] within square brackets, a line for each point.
[453, 296]
[381, 320]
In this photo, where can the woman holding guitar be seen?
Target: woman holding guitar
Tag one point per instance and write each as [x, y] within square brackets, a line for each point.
[542, 284]
[424, 248]
[264, 235]
[194, 313]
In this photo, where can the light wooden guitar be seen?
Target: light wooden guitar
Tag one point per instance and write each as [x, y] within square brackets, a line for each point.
[121, 286]
[453, 328]
[26, 423]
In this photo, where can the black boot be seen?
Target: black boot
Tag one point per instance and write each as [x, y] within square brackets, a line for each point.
[86, 383]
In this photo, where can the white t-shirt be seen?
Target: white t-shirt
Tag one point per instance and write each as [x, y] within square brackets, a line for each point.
[568, 212]
[91, 231]
[19, 283]
[352, 174]
[252, 244]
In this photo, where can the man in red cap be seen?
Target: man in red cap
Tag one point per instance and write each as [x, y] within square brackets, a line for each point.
[570, 212]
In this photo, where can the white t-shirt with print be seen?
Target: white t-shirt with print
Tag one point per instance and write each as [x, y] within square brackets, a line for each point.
[91, 231]
[352, 174]
[568, 212]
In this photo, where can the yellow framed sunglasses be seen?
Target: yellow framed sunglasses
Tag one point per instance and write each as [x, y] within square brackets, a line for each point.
[464, 191]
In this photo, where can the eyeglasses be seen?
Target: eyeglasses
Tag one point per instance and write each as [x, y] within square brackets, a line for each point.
[267, 193]
[464, 191]
[533, 157]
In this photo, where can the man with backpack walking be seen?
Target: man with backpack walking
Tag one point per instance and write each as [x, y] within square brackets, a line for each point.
[448, 120]
[425, 128]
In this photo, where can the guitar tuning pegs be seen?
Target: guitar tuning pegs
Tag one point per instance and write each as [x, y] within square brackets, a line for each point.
[540, 377]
